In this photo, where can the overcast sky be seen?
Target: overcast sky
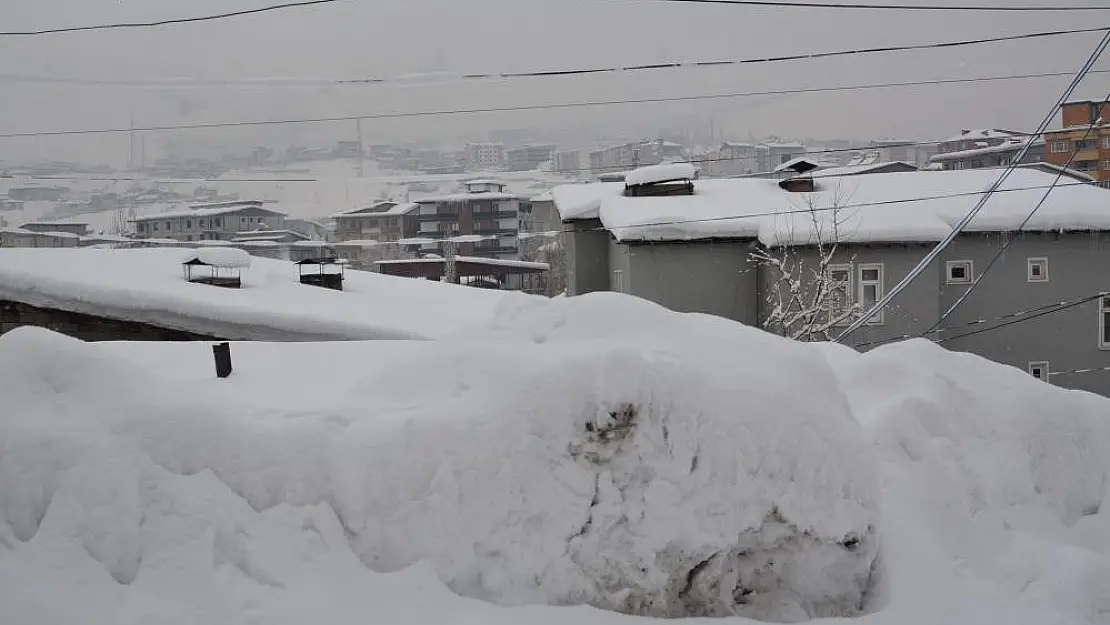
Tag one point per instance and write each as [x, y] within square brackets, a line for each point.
[385, 38]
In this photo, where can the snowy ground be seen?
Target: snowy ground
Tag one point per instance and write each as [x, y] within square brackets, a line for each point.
[596, 450]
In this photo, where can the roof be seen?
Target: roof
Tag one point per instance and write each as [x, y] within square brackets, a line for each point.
[474, 260]
[217, 210]
[395, 208]
[856, 170]
[1006, 146]
[263, 235]
[799, 164]
[60, 235]
[486, 181]
[984, 133]
[226, 258]
[470, 197]
[146, 285]
[668, 172]
[919, 206]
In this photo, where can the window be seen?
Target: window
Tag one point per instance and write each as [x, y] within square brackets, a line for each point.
[1039, 370]
[189, 224]
[1038, 270]
[1085, 144]
[1106, 143]
[871, 289]
[839, 279]
[1106, 164]
[242, 220]
[618, 281]
[1003, 161]
[1060, 147]
[960, 272]
[169, 226]
[154, 227]
[216, 222]
[1104, 322]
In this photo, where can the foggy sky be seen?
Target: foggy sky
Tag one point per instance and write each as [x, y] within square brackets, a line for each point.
[384, 38]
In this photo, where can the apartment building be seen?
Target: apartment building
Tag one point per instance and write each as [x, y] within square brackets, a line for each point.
[209, 222]
[383, 222]
[483, 210]
[484, 156]
[991, 147]
[1084, 140]
[530, 157]
[632, 155]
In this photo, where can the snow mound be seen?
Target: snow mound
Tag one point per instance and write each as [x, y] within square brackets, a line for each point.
[637, 476]
[592, 451]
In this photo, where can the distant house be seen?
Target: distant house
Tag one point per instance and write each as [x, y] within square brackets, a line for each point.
[382, 222]
[978, 149]
[632, 155]
[20, 237]
[209, 222]
[484, 210]
[529, 157]
[38, 194]
[1084, 141]
[314, 230]
[78, 228]
[692, 251]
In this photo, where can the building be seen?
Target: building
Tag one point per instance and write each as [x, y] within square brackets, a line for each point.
[708, 261]
[311, 229]
[484, 156]
[20, 237]
[382, 222]
[209, 222]
[38, 194]
[78, 228]
[779, 152]
[568, 162]
[632, 155]
[978, 149]
[348, 149]
[530, 157]
[1084, 141]
[484, 209]
[486, 273]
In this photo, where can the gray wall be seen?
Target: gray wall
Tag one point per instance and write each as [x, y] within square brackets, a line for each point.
[714, 277]
[587, 246]
[1078, 266]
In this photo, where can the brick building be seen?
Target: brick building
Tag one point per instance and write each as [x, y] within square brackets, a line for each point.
[1084, 140]
[484, 209]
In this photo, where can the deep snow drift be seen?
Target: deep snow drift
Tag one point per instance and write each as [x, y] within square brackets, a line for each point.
[596, 450]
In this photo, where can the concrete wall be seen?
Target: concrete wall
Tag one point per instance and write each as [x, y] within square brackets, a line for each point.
[87, 327]
[1068, 339]
[587, 245]
[714, 277]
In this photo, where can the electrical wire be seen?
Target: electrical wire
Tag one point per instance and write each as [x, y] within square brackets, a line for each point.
[893, 7]
[936, 251]
[1078, 302]
[1005, 246]
[532, 107]
[167, 22]
[552, 73]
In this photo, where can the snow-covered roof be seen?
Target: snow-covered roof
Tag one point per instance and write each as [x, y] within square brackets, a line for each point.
[543, 197]
[793, 164]
[892, 207]
[262, 235]
[983, 133]
[1013, 145]
[666, 172]
[146, 285]
[223, 257]
[59, 235]
[485, 181]
[470, 197]
[402, 208]
[209, 212]
[477, 260]
[855, 170]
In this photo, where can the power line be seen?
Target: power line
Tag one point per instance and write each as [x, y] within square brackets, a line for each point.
[1069, 306]
[552, 73]
[167, 22]
[1006, 245]
[893, 7]
[936, 251]
[534, 107]
[1078, 371]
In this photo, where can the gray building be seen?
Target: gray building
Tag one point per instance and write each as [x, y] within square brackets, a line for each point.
[977, 149]
[529, 157]
[709, 262]
[209, 222]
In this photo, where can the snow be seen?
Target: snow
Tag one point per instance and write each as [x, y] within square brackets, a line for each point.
[226, 258]
[341, 482]
[920, 206]
[147, 285]
[495, 196]
[233, 207]
[661, 173]
[479, 260]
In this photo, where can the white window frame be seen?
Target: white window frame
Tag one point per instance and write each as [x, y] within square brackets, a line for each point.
[849, 291]
[1043, 366]
[1060, 146]
[1103, 313]
[1106, 143]
[968, 264]
[617, 284]
[1032, 262]
[861, 284]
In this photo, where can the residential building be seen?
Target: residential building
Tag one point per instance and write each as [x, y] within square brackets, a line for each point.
[20, 237]
[632, 155]
[484, 209]
[38, 194]
[735, 158]
[209, 222]
[382, 222]
[779, 152]
[617, 240]
[348, 149]
[78, 228]
[530, 157]
[569, 162]
[485, 156]
[1084, 142]
[977, 149]
[311, 229]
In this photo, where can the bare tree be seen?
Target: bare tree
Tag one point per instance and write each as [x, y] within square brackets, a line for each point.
[809, 287]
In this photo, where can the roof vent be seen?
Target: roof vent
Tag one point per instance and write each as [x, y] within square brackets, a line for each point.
[657, 180]
[217, 266]
[798, 184]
